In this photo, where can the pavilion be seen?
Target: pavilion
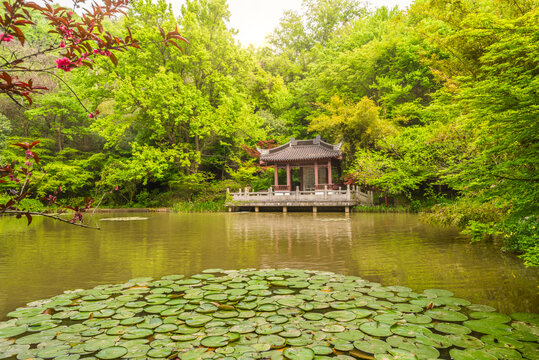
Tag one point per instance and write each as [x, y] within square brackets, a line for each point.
[314, 158]
[309, 166]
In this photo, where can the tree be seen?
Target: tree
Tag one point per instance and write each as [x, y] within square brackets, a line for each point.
[79, 41]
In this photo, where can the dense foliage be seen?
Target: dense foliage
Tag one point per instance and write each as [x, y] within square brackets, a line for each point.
[436, 106]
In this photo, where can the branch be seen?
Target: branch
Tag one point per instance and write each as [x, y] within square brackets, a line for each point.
[21, 59]
[55, 217]
[516, 179]
[69, 87]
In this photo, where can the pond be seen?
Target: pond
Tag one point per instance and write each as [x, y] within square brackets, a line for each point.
[48, 257]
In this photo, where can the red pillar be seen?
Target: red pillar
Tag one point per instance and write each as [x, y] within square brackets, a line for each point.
[276, 175]
[330, 180]
[288, 177]
[315, 174]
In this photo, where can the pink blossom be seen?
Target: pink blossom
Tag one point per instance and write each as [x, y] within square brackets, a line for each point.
[70, 13]
[27, 163]
[6, 37]
[91, 115]
[60, 188]
[96, 51]
[62, 44]
[63, 64]
[116, 188]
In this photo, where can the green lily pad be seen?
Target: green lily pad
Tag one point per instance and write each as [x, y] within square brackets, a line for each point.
[12, 331]
[275, 341]
[290, 333]
[435, 340]
[372, 346]
[135, 333]
[350, 335]
[198, 320]
[438, 292]
[376, 328]
[490, 316]
[25, 312]
[450, 328]
[214, 341]
[268, 329]
[408, 330]
[300, 353]
[113, 352]
[340, 316]
[503, 353]
[446, 315]
[333, 328]
[451, 301]
[526, 328]
[417, 318]
[526, 317]
[465, 341]
[502, 341]
[471, 354]
[487, 326]
[322, 350]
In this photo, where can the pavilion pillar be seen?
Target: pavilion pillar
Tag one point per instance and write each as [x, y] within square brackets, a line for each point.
[315, 174]
[276, 176]
[288, 177]
[330, 180]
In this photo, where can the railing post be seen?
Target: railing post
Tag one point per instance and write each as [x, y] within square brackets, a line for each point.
[270, 193]
[348, 192]
[325, 192]
[371, 198]
[297, 193]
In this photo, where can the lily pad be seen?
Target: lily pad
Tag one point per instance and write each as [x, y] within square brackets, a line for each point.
[446, 315]
[372, 346]
[300, 353]
[214, 341]
[12, 331]
[113, 352]
[376, 328]
[471, 354]
[487, 326]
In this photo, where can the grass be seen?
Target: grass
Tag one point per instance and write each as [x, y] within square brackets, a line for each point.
[204, 206]
[380, 209]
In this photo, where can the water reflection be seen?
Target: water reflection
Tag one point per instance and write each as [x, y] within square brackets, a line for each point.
[48, 257]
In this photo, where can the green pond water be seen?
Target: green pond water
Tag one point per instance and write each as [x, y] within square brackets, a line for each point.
[48, 257]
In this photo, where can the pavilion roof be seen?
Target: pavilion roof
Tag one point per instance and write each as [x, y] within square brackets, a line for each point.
[301, 150]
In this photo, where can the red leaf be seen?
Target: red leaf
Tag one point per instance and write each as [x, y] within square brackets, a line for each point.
[113, 59]
[24, 145]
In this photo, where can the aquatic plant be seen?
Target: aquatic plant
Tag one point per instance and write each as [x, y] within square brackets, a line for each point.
[264, 314]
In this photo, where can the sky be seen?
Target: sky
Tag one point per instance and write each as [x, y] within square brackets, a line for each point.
[255, 19]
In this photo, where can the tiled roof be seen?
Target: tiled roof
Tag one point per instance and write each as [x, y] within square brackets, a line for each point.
[298, 150]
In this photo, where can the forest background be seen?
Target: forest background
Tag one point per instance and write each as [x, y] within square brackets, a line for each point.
[436, 106]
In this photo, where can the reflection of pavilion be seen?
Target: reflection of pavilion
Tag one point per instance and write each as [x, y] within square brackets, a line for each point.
[308, 166]
[284, 238]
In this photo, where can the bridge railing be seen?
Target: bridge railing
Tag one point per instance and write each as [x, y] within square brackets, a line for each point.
[350, 193]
